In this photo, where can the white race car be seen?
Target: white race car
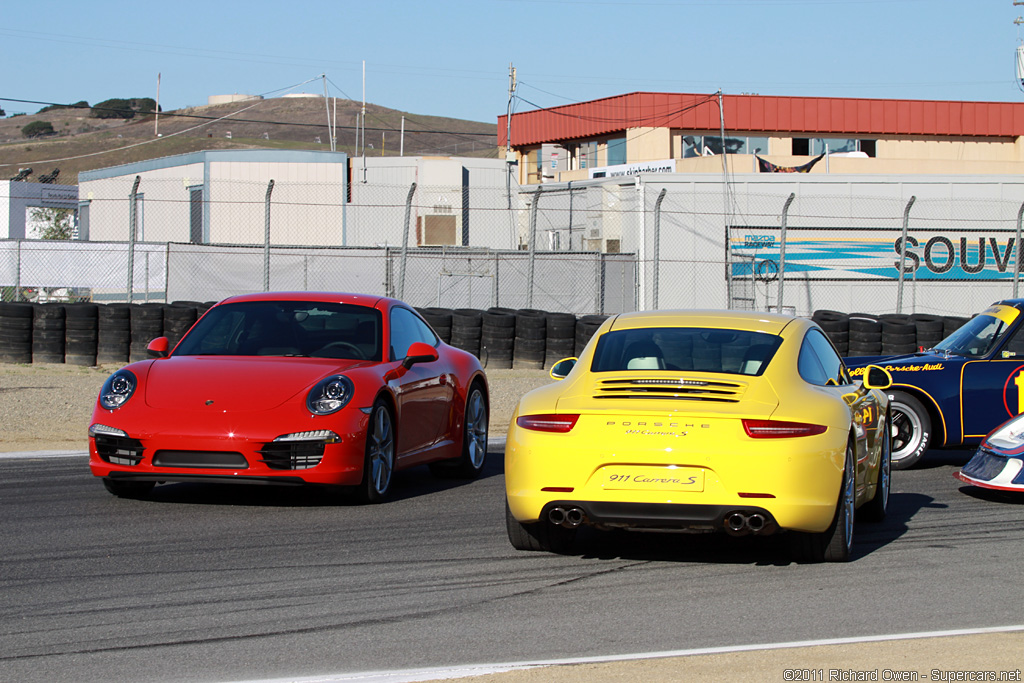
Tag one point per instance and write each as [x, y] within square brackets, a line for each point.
[999, 461]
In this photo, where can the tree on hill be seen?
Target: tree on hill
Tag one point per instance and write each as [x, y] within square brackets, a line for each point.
[123, 109]
[37, 129]
[77, 105]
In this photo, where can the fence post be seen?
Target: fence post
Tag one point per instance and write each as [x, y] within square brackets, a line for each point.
[533, 248]
[266, 237]
[903, 254]
[657, 242]
[782, 250]
[17, 274]
[1016, 256]
[132, 218]
[405, 243]
[494, 281]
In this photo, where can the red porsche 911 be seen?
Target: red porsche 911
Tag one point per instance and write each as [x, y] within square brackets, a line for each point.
[293, 388]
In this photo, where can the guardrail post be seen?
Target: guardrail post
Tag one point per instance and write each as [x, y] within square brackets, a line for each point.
[903, 254]
[132, 226]
[405, 243]
[266, 237]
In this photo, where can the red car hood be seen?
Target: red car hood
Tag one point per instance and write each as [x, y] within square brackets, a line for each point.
[233, 383]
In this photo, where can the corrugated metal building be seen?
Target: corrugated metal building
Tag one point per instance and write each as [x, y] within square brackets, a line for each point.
[870, 136]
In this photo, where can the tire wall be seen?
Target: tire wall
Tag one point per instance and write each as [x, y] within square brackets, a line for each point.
[99, 334]
[891, 334]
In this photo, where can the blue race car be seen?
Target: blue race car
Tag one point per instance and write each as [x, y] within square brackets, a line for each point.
[954, 394]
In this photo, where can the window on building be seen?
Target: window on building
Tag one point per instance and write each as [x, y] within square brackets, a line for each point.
[616, 151]
[83, 220]
[701, 145]
[832, 146]
[868, 147]
[588, 155]
[801, 147]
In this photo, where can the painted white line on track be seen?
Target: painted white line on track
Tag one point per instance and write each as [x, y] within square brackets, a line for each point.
[31, 455]
[448, 673]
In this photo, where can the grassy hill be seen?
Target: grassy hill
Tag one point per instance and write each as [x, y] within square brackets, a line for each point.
[81, 143]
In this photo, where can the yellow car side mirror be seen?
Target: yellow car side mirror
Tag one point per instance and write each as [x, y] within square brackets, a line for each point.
[877, 377]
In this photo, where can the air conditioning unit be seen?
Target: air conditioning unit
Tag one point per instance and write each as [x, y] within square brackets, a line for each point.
[438, 229]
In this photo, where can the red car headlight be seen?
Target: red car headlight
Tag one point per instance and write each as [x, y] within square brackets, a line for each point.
[330, 395]
[118, 388]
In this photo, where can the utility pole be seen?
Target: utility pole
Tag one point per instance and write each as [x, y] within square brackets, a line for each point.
[156, 118]
[363, 119]
[510, 155]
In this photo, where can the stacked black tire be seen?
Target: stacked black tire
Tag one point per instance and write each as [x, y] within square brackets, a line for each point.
[115, 334]
[16, 332]
[952, 323]
[928, 328]
[48, 333]
[179, 317]
[586, 326]
[147, 323]
[899, 334]
[531, 339]
[467, 329]
[497, 337]
[81, 334]
[865, 335]
[440, 319]
[836, 326]
[560, 341]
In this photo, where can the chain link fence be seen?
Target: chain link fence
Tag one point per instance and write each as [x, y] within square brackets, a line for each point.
[588, 247]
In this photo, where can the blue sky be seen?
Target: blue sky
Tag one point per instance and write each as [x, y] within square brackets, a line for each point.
[451, 57]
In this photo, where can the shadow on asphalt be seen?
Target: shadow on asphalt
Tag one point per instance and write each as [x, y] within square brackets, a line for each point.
[406, 484]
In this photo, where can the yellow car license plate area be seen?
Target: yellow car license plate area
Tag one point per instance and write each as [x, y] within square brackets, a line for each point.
[647, 478]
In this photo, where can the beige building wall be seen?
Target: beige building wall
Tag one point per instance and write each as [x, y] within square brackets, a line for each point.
[966, 156]
[648, 144]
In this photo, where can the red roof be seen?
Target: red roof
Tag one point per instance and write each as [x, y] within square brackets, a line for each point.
[826, 116]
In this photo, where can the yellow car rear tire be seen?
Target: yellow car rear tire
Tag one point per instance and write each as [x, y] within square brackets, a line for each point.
[835, 544]
[541, 535]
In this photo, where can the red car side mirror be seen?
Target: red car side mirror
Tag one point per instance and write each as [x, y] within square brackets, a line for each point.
[419, 352]
[157, 348]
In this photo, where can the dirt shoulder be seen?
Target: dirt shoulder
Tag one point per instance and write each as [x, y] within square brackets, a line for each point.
[46, 407]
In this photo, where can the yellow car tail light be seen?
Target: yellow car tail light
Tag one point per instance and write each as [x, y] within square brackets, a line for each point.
[559, 424]
[778, 429]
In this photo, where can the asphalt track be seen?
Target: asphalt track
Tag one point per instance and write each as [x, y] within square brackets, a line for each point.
[227, 583]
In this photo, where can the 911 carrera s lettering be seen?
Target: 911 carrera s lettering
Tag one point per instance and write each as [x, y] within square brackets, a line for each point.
[647, 432]
[685, 479]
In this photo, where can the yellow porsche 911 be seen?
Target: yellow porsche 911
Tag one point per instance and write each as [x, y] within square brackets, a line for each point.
[701, 421]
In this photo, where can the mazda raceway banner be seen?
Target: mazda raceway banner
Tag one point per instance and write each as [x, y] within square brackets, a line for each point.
[856, 255]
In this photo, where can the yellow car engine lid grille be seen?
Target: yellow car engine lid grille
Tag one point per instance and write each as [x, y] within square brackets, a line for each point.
[679, 388]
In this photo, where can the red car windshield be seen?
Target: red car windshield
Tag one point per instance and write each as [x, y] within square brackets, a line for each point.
[313, 329]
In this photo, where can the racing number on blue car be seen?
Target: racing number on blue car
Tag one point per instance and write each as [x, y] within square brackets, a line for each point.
[1019, 381]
